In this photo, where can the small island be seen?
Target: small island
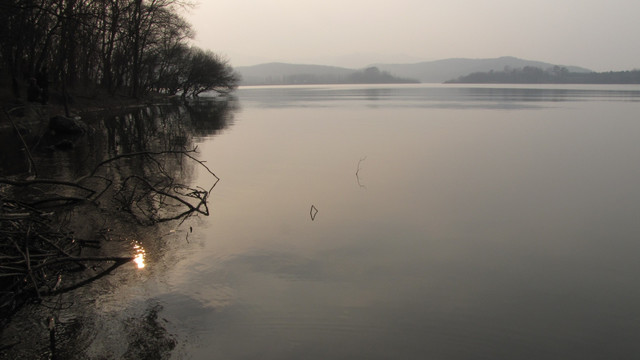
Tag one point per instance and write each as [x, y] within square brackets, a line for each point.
[296, 74]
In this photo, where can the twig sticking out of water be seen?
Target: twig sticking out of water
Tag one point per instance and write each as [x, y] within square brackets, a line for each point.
[32, 164]
[313, 212]
[358, 172]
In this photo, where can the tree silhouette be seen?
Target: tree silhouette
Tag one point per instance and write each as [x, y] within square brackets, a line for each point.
[126, 46]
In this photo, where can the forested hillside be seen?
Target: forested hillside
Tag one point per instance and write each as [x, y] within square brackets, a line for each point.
[296, 74]
[442, 70]
[554, 75]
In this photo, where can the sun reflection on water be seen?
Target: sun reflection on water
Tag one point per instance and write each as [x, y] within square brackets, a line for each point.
[139, 255]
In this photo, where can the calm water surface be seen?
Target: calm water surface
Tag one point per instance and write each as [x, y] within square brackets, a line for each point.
[453, 222]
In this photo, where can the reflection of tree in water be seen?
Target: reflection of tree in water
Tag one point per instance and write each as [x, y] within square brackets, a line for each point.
[168, 126]
[210, 116]
[149, 159]
[148, 337]
[160, 140]
[159, 129]
[143, 159]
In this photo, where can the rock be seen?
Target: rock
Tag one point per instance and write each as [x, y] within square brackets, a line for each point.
[64, 125]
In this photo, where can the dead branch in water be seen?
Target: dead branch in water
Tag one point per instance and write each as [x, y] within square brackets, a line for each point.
[358, 172]
[158, 198]
[35, 254]
[157, 184]
[36, 251]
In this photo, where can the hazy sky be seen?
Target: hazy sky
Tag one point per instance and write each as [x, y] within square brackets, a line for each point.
[600, 35]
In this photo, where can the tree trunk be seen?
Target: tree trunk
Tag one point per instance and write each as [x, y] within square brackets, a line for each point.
[135, 76]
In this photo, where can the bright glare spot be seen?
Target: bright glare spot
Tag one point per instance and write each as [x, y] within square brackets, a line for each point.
[139, 255]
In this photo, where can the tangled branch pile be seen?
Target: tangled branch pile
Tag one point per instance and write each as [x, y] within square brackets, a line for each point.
[37, 250]
[153, 195]
[35, 253]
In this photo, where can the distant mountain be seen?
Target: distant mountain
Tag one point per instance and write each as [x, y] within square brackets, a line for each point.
[442, 70]
[428, 72]
[290, 74]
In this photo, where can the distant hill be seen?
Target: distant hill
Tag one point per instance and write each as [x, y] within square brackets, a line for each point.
[442, 70]
[290, 74]
[281, 73]
[554, 75]
[428, 72]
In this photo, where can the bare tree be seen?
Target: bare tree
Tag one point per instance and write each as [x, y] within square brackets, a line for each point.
[118, 45]
[207, 71]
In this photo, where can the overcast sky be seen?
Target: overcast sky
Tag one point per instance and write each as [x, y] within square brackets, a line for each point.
[600, 35]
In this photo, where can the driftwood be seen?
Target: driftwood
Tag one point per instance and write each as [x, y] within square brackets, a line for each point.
[36, 252]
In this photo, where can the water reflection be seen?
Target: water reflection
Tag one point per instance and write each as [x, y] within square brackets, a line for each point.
[113, 132]
[167, 126]
[209, 117]
[100, 309]
[139, 255]
[497, 224]
[434, 95]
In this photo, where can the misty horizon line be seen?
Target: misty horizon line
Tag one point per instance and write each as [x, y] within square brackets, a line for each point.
[433, 71]
[375, 63]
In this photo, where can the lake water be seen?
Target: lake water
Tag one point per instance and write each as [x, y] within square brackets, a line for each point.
[411, 222]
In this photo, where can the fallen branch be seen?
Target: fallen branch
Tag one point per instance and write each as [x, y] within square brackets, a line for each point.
[116, 265]
[141, 153]
[24, 183]
[36, 250]
[118, 259]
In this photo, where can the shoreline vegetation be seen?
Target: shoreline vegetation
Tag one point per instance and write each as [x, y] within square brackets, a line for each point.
[325, 75]
[553, 75]
[96, 48]
[506, 69]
